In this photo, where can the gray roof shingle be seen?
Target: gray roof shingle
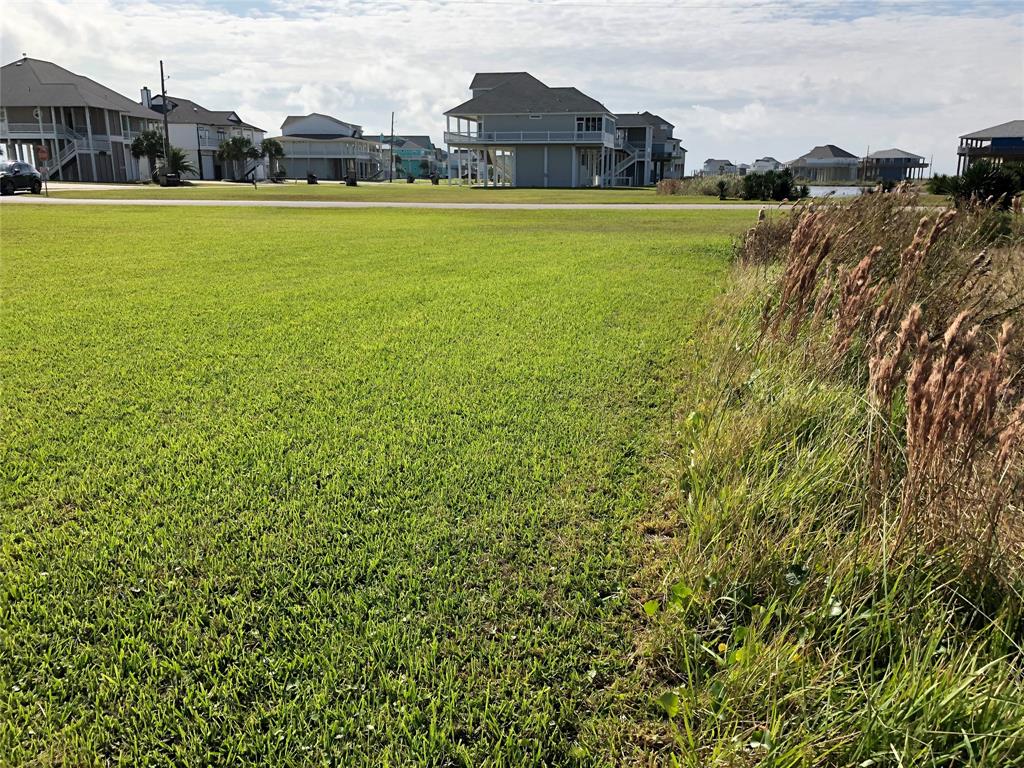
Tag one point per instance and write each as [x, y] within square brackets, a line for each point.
[188, 111]
[825, 152]
[640, 120]
[522, 93]
[291, 119]
[888, 154]
[1011, 130]
[487, 80]
[36, 83]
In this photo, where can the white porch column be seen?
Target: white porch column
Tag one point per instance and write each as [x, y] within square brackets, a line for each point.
[545, 166]
[92, 150]
[485, 153]
[56, 144]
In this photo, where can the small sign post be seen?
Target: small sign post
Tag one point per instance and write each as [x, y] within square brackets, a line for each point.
[42, 155]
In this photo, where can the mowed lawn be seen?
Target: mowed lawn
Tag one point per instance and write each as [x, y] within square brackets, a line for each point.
[378, 192]
[300, 487]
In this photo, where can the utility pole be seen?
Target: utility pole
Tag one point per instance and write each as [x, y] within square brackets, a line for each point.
[163, 107]
[391, 150]
[42, 143]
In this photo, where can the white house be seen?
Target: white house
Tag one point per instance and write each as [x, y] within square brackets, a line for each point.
[713, 167]
[764, 164]
[200, 131]
[327, 147]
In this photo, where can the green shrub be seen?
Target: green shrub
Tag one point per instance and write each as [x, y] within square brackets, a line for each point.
[771, 185]
[982, 182]
[701, 185]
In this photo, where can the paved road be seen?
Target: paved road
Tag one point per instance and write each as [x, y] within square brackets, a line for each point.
[38, 200]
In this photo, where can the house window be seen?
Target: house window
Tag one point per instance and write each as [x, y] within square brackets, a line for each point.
[588, 124]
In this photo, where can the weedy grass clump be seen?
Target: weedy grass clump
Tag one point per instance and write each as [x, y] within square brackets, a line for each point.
[842, 558]
[709, 186]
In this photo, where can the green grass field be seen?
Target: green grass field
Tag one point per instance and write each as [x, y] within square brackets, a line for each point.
[334, 487]
[383, 192]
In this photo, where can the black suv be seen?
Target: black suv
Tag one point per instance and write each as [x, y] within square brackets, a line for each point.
[15, 175]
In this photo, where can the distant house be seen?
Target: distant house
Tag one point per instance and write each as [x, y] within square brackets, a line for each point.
[999, 143]
[521, 132]
[826, 163]
[416, 156]
[327, 147]
[527, 134]
[86, 127]
[200, 131]
[764, 164]
[743, 168]
[892, 165]
[646, 152]
[465, 159]
[714, 167]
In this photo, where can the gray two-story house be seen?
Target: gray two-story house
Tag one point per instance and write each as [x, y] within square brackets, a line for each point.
[86, 128]
[645, 150]
[524, 133]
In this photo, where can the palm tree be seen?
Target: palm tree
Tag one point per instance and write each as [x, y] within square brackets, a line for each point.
[236, 151]
[178, 162]
[273, 151]
[150, 145]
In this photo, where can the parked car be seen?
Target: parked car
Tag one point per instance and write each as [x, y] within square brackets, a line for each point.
[15, 175]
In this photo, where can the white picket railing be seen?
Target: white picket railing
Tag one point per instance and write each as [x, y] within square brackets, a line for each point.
[528, 137]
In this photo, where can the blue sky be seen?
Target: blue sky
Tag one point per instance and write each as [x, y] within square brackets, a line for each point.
[739, 79]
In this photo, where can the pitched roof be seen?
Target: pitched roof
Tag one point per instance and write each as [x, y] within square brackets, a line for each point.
[36, 83]
[885, 154]
[640, 119]
[188, 111]
[414, 141]
[825, 152]
[719, 162]
[767, 159]
[291, 119]
[522, 93]
[486, 80]
[1011, 130]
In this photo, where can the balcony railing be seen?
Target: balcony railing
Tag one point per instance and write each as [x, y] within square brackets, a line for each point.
[31, 130]
[989, 151]
[529, 137]
[329, 150]
[662, 150]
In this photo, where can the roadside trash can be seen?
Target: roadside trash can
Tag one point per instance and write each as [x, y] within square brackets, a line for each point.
[169, 180]
[435, 179]
[311, 178]
[410, 179]
[350, 181]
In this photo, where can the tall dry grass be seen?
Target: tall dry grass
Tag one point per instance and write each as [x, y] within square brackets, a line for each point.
[836, 567]
[925, 326]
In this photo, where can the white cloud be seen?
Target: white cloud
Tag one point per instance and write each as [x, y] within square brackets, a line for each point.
[739, 80]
